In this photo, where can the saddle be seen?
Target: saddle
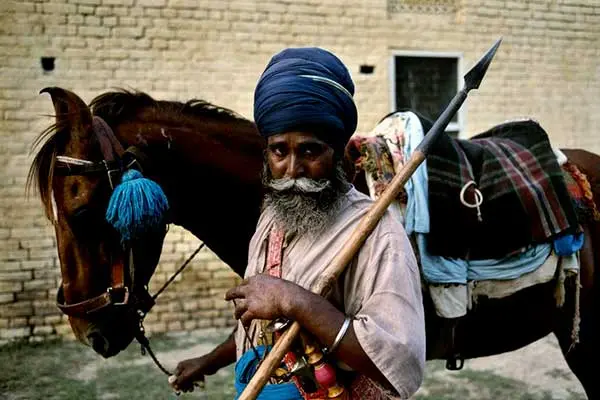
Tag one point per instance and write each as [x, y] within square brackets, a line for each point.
[487, 197]
[523, 198]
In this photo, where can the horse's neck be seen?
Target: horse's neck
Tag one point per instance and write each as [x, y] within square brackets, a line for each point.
[211, 176]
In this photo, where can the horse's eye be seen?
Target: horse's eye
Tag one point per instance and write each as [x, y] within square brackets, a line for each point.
[87, 222]
[80, 212]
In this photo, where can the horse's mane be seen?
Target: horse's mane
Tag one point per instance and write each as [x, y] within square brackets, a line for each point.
[120, 105]
[41, 171]
[114, 107]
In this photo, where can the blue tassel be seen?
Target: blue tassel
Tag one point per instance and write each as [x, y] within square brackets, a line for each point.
[137, 205]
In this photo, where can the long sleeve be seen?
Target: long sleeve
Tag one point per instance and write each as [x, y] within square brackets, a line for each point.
[389, 318]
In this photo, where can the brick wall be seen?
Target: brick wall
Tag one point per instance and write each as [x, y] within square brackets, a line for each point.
[547, 67]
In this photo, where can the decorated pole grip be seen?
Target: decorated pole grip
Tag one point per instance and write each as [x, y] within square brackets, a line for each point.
[325, 374]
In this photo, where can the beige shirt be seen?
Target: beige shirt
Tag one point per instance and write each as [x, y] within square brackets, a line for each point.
[381, 288]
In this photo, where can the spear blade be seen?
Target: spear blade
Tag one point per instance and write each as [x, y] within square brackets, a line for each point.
[473, 79]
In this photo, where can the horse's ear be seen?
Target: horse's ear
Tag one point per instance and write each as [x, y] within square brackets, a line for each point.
[71, 112]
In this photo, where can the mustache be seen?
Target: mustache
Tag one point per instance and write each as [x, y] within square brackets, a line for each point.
[299, 185]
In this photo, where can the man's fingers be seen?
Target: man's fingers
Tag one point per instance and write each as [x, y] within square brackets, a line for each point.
[178, 370]
[187, 388]
[235, 293]
[200, 383]
[173, 383]
[246, 318]
[177, 384]
[241, 306]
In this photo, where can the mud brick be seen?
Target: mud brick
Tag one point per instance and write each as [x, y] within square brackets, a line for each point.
[15, 333]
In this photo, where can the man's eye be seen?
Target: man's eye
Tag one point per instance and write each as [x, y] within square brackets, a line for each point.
[313, 150]
[279, 151]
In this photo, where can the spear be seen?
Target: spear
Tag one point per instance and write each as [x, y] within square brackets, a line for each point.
[472, 80]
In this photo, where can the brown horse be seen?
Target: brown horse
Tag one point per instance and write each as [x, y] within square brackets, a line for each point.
[208, 162]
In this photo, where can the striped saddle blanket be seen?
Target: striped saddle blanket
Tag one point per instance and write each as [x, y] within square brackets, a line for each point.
[524, 198]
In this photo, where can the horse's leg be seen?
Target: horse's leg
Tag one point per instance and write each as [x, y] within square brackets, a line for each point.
[580, 356]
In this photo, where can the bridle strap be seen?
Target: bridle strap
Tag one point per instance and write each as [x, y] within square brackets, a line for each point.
[67, 169]
[97, 303]
[133, 156]
[113, 165]
[84, 308]
[118, 272]
[112, 151]
[109, 144]
[116, 159]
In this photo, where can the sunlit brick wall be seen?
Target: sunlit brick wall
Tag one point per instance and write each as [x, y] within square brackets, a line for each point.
[547, 67]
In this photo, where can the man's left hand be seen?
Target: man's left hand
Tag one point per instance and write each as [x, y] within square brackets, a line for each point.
[262, 297]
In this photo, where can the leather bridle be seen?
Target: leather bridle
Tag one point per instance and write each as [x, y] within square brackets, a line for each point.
[116, 161]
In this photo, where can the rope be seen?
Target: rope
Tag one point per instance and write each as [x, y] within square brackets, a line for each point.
[143, 341]
[577, 315]
[167, 283]
[249, 339]
[141, 336]
[478, 198]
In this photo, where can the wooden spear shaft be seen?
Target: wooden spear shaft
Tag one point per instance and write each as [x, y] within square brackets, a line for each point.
[367, 224]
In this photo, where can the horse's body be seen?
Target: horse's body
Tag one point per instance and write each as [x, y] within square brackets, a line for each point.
[208, 162]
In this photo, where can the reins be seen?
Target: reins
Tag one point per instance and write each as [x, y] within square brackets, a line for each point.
[141, 335]
[167, 283]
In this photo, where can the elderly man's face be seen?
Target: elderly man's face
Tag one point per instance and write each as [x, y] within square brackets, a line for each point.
[304, 182]
[299, 155]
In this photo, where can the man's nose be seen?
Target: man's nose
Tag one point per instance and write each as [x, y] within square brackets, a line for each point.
[295, 168]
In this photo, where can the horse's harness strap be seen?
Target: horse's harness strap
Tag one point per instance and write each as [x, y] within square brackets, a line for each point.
[109, 144]
[116, 159]
[113, 150]
[118, 272]
[82, 309]
[135, 157]
[86, 169]
[116, 294]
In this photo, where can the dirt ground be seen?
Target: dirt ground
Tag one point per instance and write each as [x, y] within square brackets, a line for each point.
[67, 370]
[540, 366]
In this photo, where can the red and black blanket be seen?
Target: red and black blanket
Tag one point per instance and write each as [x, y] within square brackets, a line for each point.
[525, 199]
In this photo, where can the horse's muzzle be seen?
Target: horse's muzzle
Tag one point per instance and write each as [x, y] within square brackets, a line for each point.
[101, 345]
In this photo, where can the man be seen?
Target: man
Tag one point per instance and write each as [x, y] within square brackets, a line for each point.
[373, 320]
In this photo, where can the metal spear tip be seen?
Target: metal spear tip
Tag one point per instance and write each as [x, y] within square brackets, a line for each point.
[474, 77]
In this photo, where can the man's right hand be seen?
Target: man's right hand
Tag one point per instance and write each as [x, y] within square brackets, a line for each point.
[189, 372]
[194, 370]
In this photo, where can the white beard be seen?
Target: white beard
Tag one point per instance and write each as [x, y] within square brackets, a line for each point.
[303, 205]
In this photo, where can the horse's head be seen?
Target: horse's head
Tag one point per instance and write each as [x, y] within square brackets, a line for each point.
[103, 278]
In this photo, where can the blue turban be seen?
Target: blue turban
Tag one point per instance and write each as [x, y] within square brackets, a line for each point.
[306, 89]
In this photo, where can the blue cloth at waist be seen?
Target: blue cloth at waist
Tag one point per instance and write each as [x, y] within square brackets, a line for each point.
[245, 368]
